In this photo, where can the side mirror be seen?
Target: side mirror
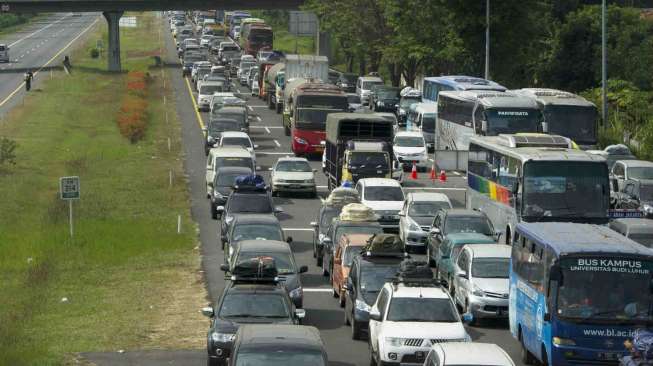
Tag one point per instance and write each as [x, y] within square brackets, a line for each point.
[462, 274]
[547, 317]
[497, 234]
[434, 231]
[300, 313]
[278, 209]
[314, 170]
[402, 214]
[375, 315]
[303, 269]
[484, 126]
[220, 209]
[468, 318]
[208, 312]
[289, 240]
[224, 267]
[326, 240]
[256, 146]
[515, 188]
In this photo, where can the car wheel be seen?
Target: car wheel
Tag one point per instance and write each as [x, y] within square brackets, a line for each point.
[286, 130]
[466, 310]
[319, 260]
[346, 318]
[213, 362]
[372, 359]
[355, 330]
[214, 212]
[341, 299]
[325, 268]
[450, 286]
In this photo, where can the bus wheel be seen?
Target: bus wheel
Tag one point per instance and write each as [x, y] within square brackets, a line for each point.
[508, 237]
[526, 357]
[545, 358]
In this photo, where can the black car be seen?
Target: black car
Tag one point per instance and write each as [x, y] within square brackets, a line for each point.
[367, 275]
[188, 62]
[252, 227]
[216, 126]
[246, 300]
[336, 230]
[384, 98]
[280, 252]
[347, 82]
[234, 112]
[273, 345]
[223, 184]
[320, 228]
[334, 76]
[246, 200]
[454, 221]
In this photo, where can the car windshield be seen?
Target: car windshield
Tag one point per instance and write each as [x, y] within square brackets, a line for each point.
[327, 217]
[253, 305]
[640, 173]
[490, 267]
[616, 290]
[422, 309]
[253, 203]
[313, 118]
[367, 85]
[240, 117]
[350, 252]
[282, 261]
[227, 179]
[369, 160]
[257, 232]
[427, 208]
[236, 141]
[293, 166]
[224, 125]
[409, 141]
[246, 65]
[356, 229]
[383, 193]
[428, 122]
[577, 123]
[468, 224]
[373, 277]
[279, 357]
[388, 94]
[210, 89]
[349, 78]
[233, 161]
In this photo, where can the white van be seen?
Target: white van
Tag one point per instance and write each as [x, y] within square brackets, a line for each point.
[4, 53]
[426, 120]
[364, 87]
[226, 156]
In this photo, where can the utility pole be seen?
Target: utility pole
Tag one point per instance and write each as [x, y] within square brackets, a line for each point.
[487, 39]
[604, 66]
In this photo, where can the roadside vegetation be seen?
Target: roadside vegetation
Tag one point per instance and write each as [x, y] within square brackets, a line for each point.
[127, 279]
[8, 21]
[283, 40]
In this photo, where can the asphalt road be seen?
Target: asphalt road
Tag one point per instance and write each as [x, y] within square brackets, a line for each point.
[321, 308]
[38, 47]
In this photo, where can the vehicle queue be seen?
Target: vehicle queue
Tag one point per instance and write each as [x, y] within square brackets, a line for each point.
[532, 244]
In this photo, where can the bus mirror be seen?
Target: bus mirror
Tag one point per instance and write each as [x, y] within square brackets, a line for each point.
[545, 127]
[484, 126]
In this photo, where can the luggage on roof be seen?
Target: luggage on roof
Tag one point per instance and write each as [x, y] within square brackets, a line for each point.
[258, 268]
[252, 181]
[342, 196]
[357, 212]
[384, 244]
[411, 269]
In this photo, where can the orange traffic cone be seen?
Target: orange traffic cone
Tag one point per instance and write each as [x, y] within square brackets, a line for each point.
[433, 177]
[443, 176]
[413, 173]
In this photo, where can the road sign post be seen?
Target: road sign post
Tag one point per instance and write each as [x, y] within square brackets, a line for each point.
[69, 191]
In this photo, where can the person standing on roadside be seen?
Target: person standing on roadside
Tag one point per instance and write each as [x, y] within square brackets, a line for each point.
[28, 80]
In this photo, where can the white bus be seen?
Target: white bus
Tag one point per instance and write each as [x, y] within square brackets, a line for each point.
[463, 114]
[566, 114]
[432, 86]
[535, 178]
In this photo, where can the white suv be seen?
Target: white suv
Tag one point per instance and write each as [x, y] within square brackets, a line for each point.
[408, 318]
[409, 147]
[385, 196]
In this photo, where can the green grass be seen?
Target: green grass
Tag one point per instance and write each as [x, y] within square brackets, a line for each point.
[284, 41]
[126, 253]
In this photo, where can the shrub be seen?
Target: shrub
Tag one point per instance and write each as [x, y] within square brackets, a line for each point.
[7, 151]
[95, 53]
[132, 117]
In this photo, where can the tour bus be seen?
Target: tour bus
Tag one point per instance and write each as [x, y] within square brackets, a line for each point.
[534, 178]
[463, 114]
[257, 37]
[577, 292]
[566, 114]
[432, 86]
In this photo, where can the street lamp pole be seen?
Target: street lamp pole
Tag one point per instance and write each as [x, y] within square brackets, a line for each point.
[604, 66]
[487, 39]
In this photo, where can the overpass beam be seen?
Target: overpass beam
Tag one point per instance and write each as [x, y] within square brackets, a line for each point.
[113, 51]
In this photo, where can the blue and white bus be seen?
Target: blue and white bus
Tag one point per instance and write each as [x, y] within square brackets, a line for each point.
[577, 292]
[432, 86]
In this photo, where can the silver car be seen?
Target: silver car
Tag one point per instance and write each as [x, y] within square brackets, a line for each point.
[481, 280]
[293, 175]
[4, 53]
[416, 216]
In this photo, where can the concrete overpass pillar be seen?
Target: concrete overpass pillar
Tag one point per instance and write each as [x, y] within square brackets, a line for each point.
[113, 51]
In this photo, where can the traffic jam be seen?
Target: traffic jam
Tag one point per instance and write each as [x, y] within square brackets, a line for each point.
[429, 212]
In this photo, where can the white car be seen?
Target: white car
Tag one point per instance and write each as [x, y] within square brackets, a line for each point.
[481, 280]
[293, 174]
[218, 100]
[205, 92]
[408, 318]
[197, 66]
[385, 196]
[410, 147]
[467, 353]
[255, 87]
[226, 156]
[417, 214]
[237, 138]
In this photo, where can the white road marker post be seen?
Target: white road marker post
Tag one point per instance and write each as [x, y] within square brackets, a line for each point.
[178, 224]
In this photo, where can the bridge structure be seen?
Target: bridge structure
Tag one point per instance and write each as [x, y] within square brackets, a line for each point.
[114, 9]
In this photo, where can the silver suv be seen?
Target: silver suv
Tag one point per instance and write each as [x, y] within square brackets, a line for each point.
[4, 53]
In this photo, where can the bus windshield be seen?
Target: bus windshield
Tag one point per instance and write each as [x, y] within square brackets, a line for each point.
[312, 118]
[512, 121]
[565, 190]
[620, 291]
[428, 122]
[577, 123]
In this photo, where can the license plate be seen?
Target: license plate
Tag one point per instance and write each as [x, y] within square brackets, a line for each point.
[295, 186]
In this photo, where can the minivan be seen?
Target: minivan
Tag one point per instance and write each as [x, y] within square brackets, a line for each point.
[226, 156]
[364, 87]
[4, 53]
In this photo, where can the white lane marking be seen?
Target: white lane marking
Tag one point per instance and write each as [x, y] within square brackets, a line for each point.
[266, 127]
[456, 173]
[296, 229]
[325, 290]
[258, 106]
[267, 130]
[277, 143]
[250, 108]
[31, 34]
[321, 187]
[259, 119]
[238, 90]
[435, 189]
[274, 153]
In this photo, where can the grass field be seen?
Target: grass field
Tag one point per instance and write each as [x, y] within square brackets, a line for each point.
[129, 279]
[284, 41]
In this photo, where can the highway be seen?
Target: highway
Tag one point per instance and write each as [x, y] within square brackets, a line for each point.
[322, 309]
[38, 47]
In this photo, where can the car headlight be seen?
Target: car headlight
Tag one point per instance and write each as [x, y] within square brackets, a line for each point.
[467, 338]
[402, 112]
[394, 341]
[301, 141]
[647, 208]
[379, 103]
[297, 293]
[478, 292]
[362, 306]
[563, 341]
[222, 337]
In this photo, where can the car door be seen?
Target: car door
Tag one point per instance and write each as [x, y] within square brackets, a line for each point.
[350, 294]
[209, 169]
[461, 283]
[440, 255]
[336, 274]
[374, 325]
[403, 221]
[435, 238]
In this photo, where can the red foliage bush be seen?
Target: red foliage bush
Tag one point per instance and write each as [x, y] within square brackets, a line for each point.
[132, 117]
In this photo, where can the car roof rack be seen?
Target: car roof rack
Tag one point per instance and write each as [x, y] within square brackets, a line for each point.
[384, 245]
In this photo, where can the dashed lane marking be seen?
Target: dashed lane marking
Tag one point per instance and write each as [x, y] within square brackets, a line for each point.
[259, 106]
[266, 127]
[277, 143]
[296, 229]
[250, 108]
[259, 119]
[37, 31]
[325, 290]
[268, 130]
